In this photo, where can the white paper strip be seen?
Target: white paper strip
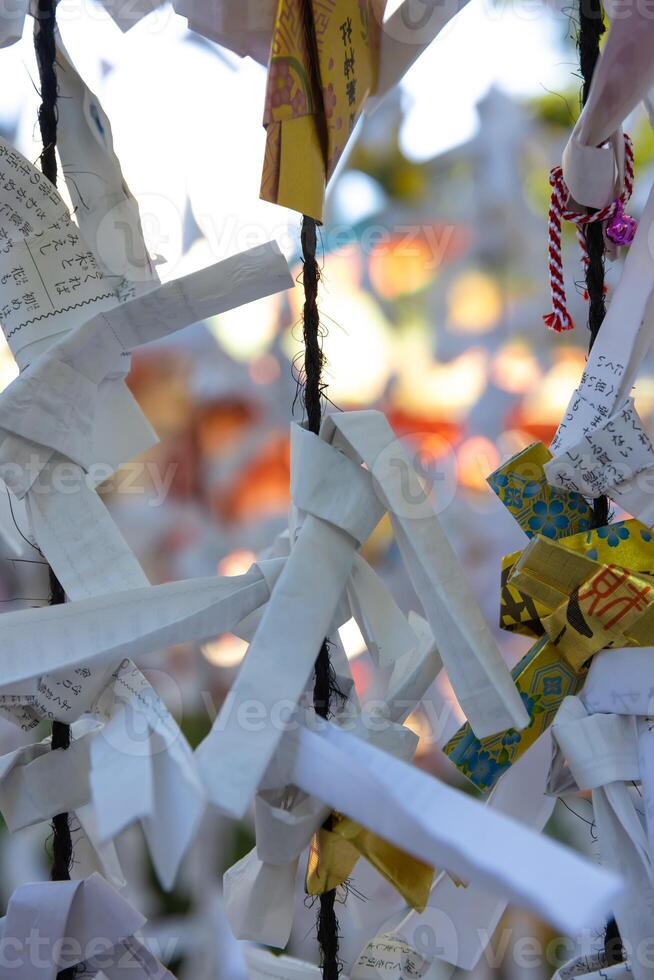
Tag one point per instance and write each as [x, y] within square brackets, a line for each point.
[621, 681]
[402, 804]
[387, 957]
[106, 629]
[234, 757]
[105, 209]
[592, 968]
[462, 920]
[74, 921]
[262, 965]
[480, 678]
[133, 764]
[406, 34]
[260, 900]
[601, 752]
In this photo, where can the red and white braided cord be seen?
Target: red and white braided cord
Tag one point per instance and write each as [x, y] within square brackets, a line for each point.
[559, 319]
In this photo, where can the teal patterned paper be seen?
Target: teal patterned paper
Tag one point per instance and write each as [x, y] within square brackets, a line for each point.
[537, 507]
[544, 679]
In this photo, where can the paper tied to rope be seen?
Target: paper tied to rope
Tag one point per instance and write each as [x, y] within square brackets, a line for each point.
[628, 546]
[620, 556]
[307, 127]
[589, 605]
[339, 842]
[343, 502]
[68, 415]
[476, 844]
[543, 676]
[600, 429]
[36, 783]
[131, 763]
[602, 754]
[387, 956]
[620, 683]
[53, 281]
[286, 818]
[623, 76]
[395, 800]
[337, 848]
[592, 170]
[596, 176]
[459, 922]
[261, 964]
[76, 922]
[614, 456]
[259, 890]
[593, 967]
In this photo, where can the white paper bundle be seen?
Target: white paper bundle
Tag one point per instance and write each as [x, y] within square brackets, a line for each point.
[128, 759]
[53, 925]
[340, 502]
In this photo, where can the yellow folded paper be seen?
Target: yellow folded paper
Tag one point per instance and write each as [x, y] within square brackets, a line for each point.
[626, 543]
[591, 605]
[544, 678]
[538, 508]
[312, 105]
[334, 853]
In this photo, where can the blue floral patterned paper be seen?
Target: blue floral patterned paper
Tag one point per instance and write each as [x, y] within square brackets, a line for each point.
[537, 507]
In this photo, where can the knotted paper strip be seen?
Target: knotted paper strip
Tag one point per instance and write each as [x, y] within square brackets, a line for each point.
[75, 922]
[343, 502]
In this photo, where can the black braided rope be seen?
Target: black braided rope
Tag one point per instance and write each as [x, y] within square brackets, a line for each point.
[325, 686]
[324, 683]
[45, 48]
[591, 28]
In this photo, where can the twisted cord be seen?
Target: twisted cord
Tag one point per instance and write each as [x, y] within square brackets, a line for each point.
[45, 48]
[324, 677]
[590, 235]
[46, 53]
[591, 28]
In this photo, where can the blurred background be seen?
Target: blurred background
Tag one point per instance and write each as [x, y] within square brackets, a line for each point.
[434, 285]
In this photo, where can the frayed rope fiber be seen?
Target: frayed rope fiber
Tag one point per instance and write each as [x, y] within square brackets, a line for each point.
[325, 681]
[45, 48]
[591, 28]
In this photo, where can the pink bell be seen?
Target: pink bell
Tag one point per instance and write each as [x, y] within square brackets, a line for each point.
[621, 228]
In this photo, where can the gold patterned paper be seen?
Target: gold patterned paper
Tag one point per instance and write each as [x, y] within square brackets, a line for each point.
[334, 853]
[309, 121]
[544, 678]
[538, 508]
[591, 606]
[549, 573]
